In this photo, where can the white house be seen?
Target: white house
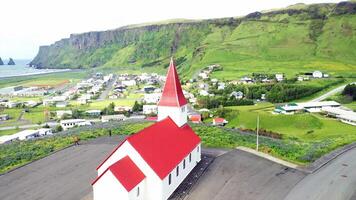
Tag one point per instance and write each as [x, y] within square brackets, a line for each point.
[237, 95]
[149, 109]
[129, 83]
[317, 74]
[203, 93]
[70, 123]
[108, 118]
[279, 77]
[61, 113]
[152, 163]
[25, 134]
[152, 97]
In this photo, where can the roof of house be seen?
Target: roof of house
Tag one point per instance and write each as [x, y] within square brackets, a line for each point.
[163, 145]
[126, 172]
[219, 120]
[172, 93]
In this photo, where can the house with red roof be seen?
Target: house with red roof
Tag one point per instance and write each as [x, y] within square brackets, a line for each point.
[152, 163]
[219, 121]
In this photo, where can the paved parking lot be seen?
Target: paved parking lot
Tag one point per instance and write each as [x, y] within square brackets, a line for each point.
[233, 175]
[241, 175]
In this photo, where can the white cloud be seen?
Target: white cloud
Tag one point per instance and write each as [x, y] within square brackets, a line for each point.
[27, 24]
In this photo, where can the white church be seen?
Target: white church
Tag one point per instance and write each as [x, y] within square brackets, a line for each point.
[152, 163]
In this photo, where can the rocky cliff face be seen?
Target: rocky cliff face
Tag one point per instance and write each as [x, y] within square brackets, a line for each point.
[302, 31]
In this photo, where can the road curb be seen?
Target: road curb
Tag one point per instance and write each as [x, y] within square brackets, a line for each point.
[269, 157]
[324, 160]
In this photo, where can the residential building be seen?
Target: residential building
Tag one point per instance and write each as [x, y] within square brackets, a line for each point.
[219, 121]
[109, 118]
[237, 95]
[4, 117]
[149, 109]
[317, 74]
[61, 113]
[279, 77]
[70, 123]
[152, 98]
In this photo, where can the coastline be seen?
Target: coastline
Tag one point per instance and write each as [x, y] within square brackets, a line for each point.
[50, 71]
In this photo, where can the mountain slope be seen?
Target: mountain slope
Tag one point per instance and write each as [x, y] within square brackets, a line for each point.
[297, 38]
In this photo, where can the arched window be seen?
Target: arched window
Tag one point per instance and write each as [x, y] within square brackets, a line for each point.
[184, 163]
[138, 191]
[190, 157]
[177, 171]
[198, 149]
[169, 179]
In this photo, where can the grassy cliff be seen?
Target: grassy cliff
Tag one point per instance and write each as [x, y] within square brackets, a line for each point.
[295, 39]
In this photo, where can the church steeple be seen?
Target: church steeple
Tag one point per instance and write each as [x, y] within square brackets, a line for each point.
[173, 102]
[172, 93]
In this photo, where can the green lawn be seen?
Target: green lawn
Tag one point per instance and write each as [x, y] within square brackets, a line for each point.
[304, 127]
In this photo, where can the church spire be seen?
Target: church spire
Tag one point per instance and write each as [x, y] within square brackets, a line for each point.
[173, 103]
[172, 93]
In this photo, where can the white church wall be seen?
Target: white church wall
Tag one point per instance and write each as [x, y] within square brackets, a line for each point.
[168, 189]
[178, 114]
[138, 192]
[153, 184]
[108, 188]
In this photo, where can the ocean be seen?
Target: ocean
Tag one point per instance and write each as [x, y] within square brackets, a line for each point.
[22, 69]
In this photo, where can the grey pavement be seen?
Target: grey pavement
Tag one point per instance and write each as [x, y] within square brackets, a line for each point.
[65, 175]
[241, 175]
[328, 94]
[108, 88]
[336, 180]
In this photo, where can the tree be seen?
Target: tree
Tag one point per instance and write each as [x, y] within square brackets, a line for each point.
[137, 107]
[58, 128]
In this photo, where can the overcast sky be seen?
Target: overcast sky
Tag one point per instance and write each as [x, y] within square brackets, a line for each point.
[27, 24]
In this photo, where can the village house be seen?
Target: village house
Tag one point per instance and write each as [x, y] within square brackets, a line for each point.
[279, 77]
[109, 118]
[129, 83]
[11, 104]
[152, 98]
[25, 135]
[237, 95]
[149, 109]
[70, 123]
[122, 109]
[317, 74]
[219, 121]
[61, 104]
[61, 113]
[93, 113]
[152, 163]
[4, 117]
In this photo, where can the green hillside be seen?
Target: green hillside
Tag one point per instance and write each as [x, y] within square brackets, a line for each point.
[296, 39]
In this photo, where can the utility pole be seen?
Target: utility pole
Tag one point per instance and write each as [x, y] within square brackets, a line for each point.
[258, 126]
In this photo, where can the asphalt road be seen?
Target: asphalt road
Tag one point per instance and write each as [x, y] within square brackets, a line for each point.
[65, 175]
[241, 175]
[337, 180]
[328, 94]
[108, 88]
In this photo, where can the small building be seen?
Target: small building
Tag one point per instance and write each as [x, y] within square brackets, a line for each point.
[45, 131]
[122, 109]
[94, 113]
[152, 98]
[4, 117]
[109, 118]
[153, 119]
[317, 74]
[150, 109]
[345, 116]
[221, 86]
[195, 118]
[61, 104]
[237, 95]
[11, 104]
[203, 93]
[129, 83]
[279, 77]
[70, 123]
[61, 113]
[149, 89]
[219, 121]
[290, 108]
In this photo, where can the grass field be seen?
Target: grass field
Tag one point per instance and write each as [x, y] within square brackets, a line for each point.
[54, 79]
[303, 127]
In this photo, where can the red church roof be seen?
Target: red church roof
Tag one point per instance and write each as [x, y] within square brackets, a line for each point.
[126, 172]
[172, 92]
[164, 145]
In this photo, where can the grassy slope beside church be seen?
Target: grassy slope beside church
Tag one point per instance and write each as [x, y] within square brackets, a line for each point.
[295, 39]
